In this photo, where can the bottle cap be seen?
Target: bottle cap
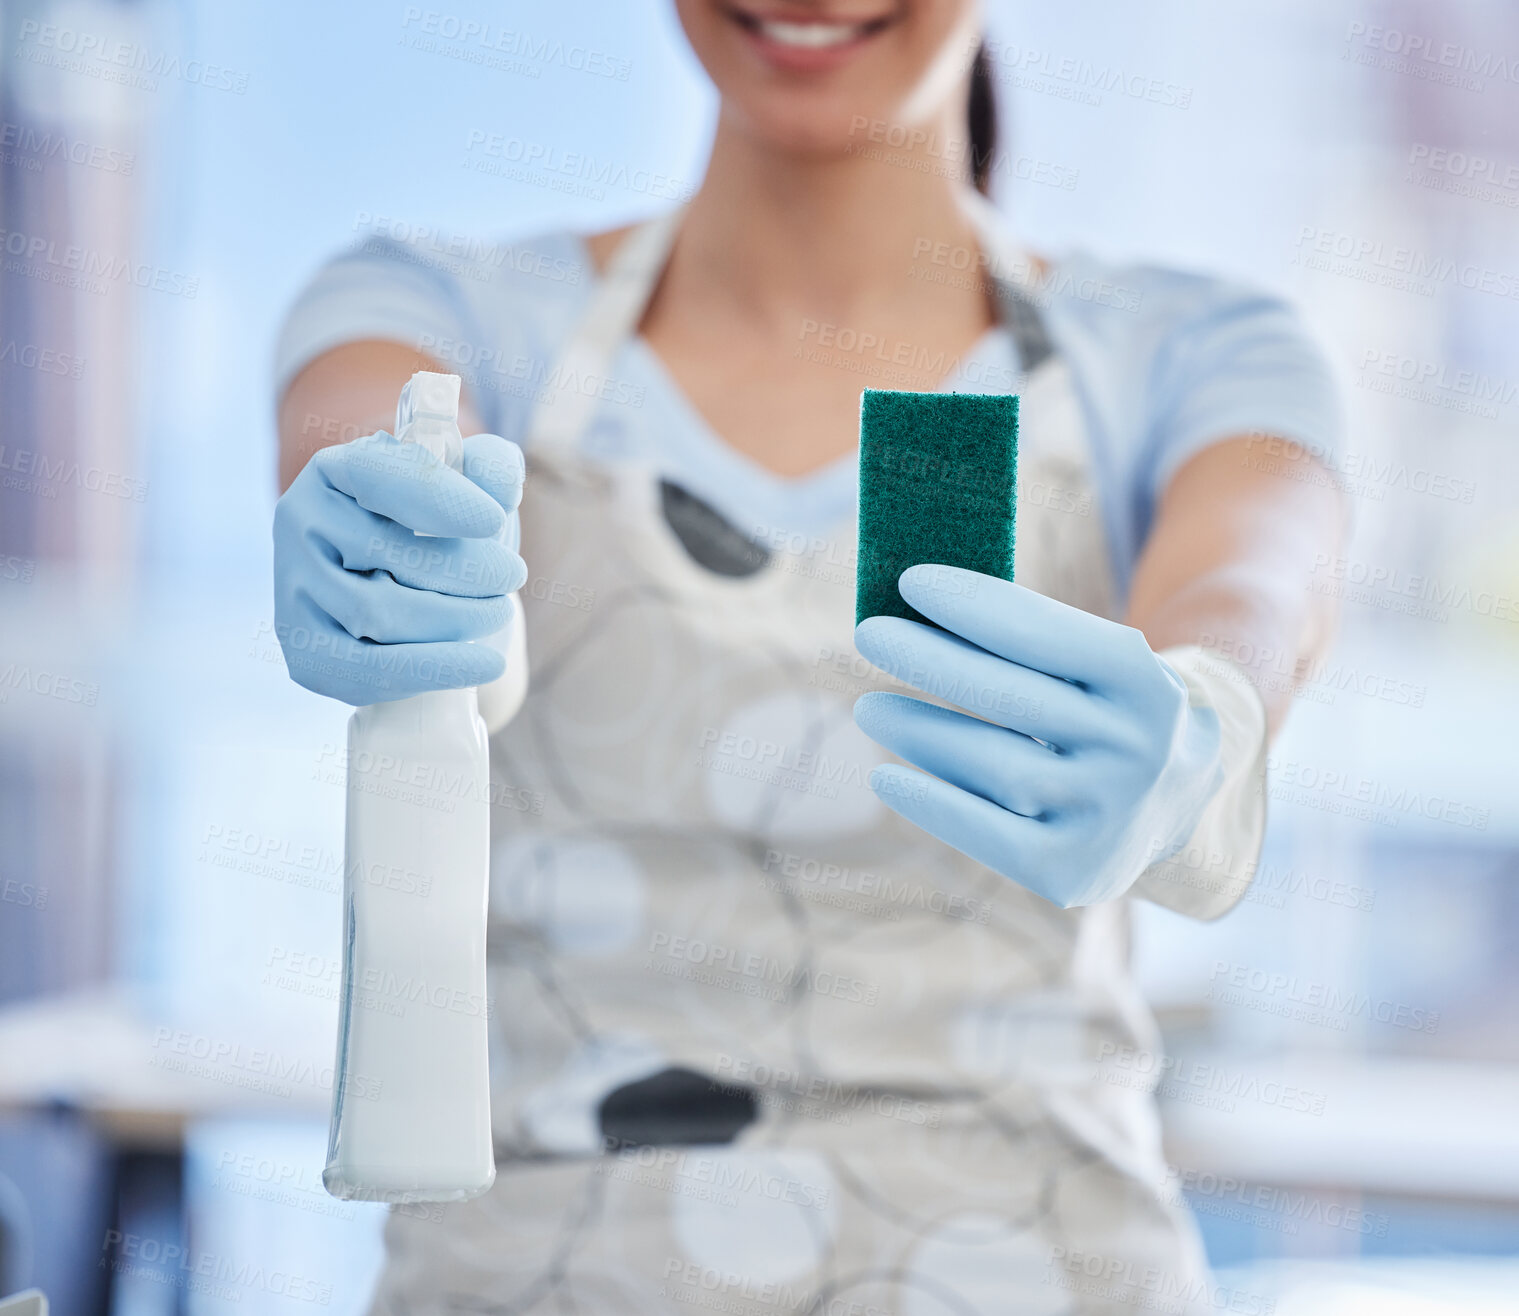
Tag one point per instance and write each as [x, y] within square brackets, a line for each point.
[431, 395]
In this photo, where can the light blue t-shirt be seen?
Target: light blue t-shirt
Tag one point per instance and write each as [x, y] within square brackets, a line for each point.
[1163, 364]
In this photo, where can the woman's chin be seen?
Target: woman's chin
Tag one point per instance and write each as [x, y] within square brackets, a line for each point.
[819, 129]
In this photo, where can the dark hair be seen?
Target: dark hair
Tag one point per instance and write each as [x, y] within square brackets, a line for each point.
[981, 120]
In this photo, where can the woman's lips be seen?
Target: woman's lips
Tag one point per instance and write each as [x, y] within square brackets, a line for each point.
[807, 45]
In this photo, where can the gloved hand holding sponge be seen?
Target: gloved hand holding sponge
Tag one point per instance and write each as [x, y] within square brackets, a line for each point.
[1083, 761]
[1082, 758]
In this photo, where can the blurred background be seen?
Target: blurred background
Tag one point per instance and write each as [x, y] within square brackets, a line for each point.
[1341, 1088]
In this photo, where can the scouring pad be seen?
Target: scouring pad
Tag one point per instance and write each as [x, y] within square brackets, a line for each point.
[937, 479]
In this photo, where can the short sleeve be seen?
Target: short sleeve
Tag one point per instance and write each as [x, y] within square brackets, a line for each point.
[1239, 363]
[494, 310]
[1165, 363]
[378, 290]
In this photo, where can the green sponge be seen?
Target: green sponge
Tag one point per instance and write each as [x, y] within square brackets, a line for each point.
[937, 475]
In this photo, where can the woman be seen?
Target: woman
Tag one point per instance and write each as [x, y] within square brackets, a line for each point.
[775, 1031]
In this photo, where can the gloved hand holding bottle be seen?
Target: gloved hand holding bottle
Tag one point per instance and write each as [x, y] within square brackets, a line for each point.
[394, 558]
[1082, 758]
[390, 567]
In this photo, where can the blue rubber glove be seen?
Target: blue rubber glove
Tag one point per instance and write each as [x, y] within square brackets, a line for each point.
[389, 565]
[1084, 762]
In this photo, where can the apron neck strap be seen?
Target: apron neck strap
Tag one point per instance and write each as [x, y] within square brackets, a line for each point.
[1015, 277]
[572, 388]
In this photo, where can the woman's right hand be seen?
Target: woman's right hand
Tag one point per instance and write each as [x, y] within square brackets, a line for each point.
[390, 567]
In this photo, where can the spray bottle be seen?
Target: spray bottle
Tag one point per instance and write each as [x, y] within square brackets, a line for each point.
[411, 1092]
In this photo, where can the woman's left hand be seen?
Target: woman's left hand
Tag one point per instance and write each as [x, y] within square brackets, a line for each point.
[1084, 761]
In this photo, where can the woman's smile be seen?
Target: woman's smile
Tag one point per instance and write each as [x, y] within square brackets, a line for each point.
[807, 42]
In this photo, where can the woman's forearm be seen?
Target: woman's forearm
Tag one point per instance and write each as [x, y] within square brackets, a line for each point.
[1229, 565]
[346, 393]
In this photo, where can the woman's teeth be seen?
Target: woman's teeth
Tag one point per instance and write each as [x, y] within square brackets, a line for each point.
[811, 36]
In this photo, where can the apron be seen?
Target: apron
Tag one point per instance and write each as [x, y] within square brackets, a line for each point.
[760, 1045]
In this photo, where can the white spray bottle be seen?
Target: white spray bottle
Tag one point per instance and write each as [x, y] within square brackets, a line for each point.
[411, 1093]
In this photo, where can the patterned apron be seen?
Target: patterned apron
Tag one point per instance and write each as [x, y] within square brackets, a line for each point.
[760, 1046]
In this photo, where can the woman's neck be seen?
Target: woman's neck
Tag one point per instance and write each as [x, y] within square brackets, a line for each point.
[794, 281]
[772, 234]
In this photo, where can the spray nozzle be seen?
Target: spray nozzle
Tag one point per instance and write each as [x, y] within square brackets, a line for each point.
[428, 413]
